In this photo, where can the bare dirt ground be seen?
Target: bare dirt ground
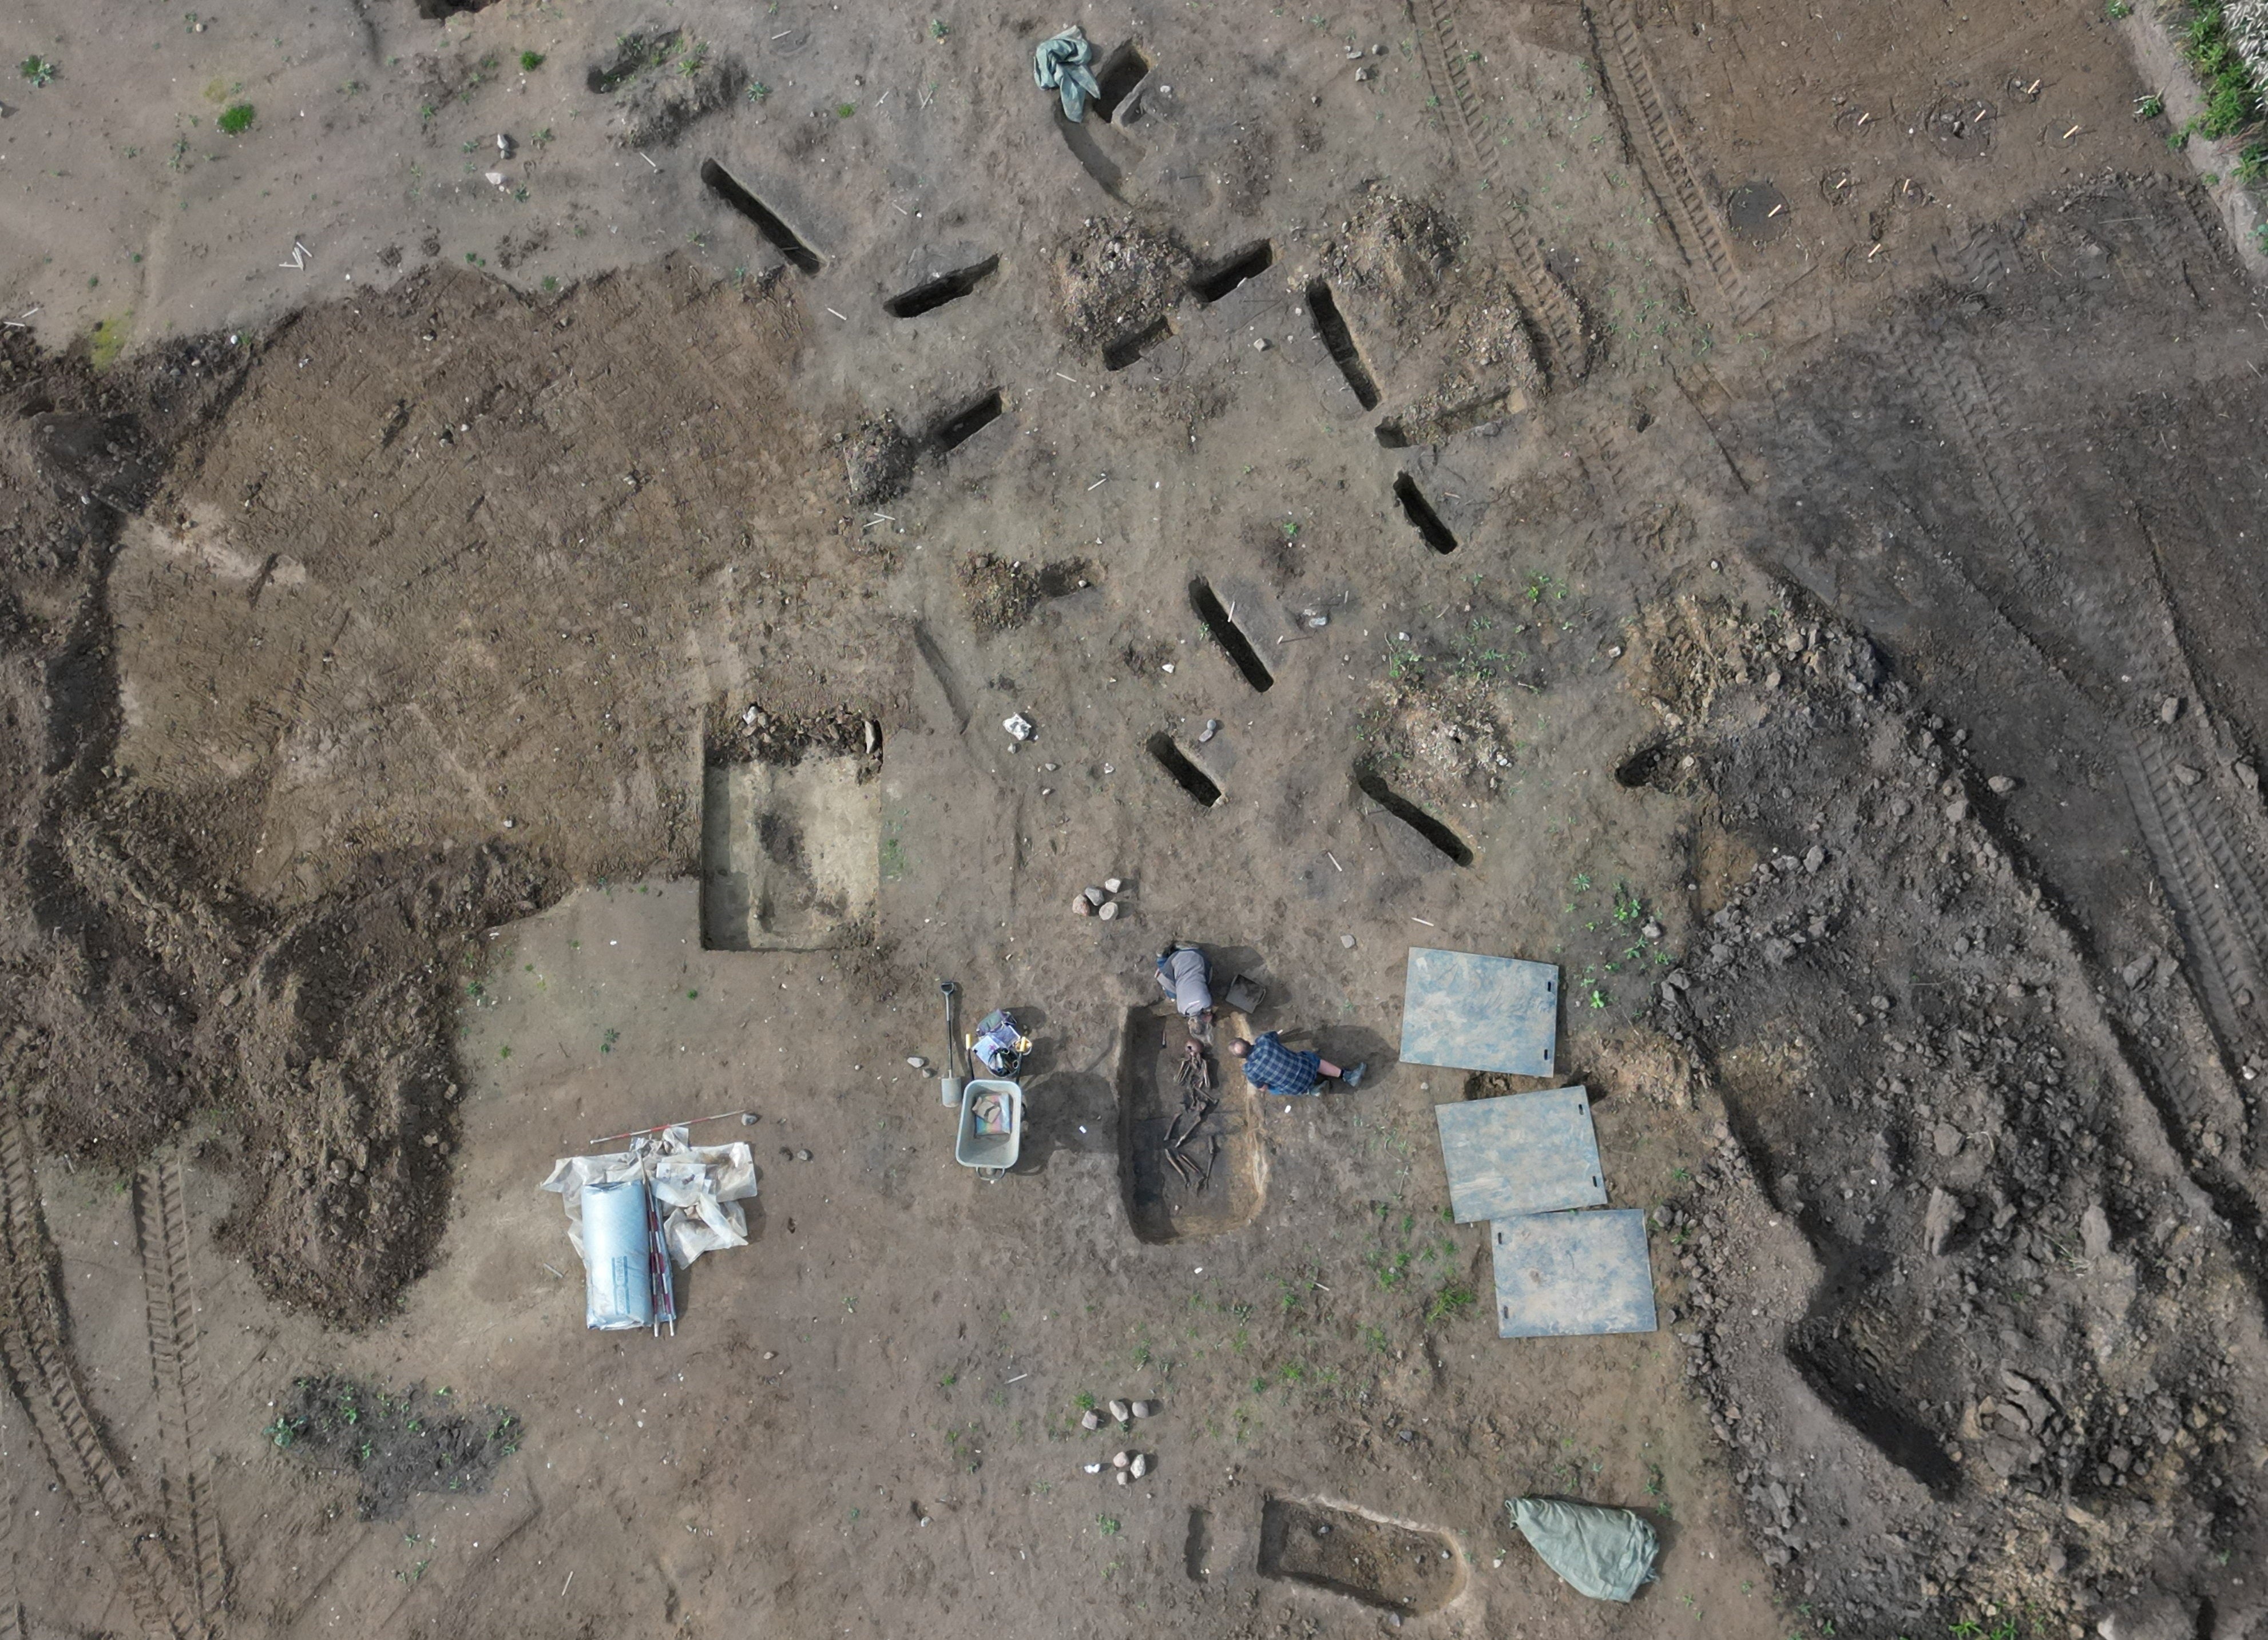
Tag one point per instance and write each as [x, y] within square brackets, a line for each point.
[1757, 507]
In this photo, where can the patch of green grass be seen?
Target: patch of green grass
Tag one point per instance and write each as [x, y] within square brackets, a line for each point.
[1107, 1525]
[2232, 102]
[2149, 107]
[236, 119]
[106, 343]
[936, 28]
[758, 91]
[1453, 1300]
[845, 110]
[530, 61]
[2118, 9]
[38, 70]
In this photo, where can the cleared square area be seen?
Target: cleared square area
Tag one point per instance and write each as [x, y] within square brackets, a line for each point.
[790, 855]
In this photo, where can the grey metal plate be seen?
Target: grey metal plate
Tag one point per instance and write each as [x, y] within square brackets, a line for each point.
[1562, 1274]
[1471, 1013]
[1520, 1153]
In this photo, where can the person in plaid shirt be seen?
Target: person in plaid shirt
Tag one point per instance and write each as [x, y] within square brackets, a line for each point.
[1275, 1069]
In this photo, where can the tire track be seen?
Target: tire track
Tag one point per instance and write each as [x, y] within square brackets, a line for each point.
[1628, 74]
[40, 1372]
[2219, 905]
[2217, 902]
[162, 1230]
[1554, 320]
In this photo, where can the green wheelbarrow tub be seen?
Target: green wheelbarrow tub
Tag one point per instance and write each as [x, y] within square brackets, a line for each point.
[991, 1152]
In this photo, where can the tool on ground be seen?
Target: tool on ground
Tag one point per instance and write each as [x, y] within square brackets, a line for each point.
[658, 1270]
[647, 1133]
[949, 1084]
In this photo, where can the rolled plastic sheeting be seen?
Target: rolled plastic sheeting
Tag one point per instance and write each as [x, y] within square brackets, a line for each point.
[618, 1291]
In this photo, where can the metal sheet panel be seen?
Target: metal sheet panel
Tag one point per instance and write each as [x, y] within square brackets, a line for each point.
[1471, 1013]
[1562, 1274]
[1520, 1153]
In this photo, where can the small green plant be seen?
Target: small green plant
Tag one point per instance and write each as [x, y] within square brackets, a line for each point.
[1448, 1304]
[530, 61]
[281, 1433]
[696, 54]
[2118, 9]
[1107, 1525]
[758, 91]
[948, 1380]
[936, 28]
[845, 110]
[2149, 107]
[38, 70]
[236, 119]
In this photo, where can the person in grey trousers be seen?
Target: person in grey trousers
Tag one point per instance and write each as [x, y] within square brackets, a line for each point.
[1185, 974]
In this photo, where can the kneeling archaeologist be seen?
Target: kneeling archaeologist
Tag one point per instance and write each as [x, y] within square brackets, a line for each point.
[1286, 1072]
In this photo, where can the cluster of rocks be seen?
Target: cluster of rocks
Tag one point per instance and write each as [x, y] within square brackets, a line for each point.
[1129, 1466]
[754, 734]
[1098, 901]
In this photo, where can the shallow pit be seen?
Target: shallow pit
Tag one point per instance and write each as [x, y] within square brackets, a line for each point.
[1338, 341]
[1442, 839]
[1352, 1552]
[768, 222]
[1160, 1205]
[790, 855]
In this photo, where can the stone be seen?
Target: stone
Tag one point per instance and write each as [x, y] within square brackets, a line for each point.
[1211, 728]
[1082, 906]
[1947, 1139]
[1957, 811]
[2170, 708]
[1096, 896]
[1112, 884]
[2095, 1231]
[2001, 785]
[1140, 1467]
[803, 1156]
[1347, 940]
[2187, 776]
[2247, 775]
[1939, 1220]
[1108, 911]
[1125, 1479]
[917, 1062]
[1120, 1411]
[1090, 1419]
[1144, 1408]
[1814, 858]
[1120, 1460]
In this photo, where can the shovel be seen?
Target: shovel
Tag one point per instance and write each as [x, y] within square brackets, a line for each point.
[949, 1084]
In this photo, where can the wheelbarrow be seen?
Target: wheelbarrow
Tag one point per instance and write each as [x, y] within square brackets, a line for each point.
[988, 1147]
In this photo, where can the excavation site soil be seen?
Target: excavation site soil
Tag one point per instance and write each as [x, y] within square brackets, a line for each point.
[565, 566]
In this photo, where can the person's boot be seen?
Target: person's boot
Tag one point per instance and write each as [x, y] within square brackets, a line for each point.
[1352, 1075]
